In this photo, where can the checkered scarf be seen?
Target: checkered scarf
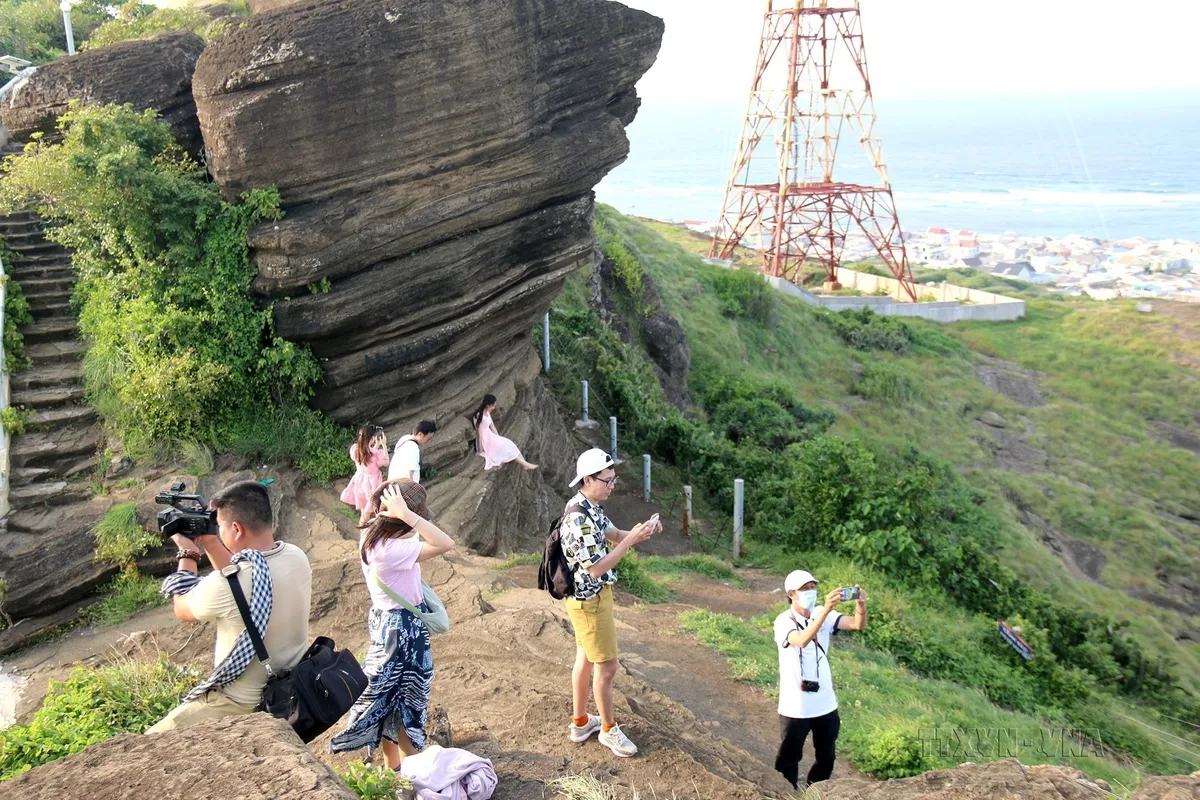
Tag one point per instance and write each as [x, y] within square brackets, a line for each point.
[261, 591]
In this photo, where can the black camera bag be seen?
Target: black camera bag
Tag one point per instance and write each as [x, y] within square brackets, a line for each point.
[314, 694]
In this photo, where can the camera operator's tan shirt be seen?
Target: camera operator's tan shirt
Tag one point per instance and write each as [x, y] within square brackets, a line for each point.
[287, 627]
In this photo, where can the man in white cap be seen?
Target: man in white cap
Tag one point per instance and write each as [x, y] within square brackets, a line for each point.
[593, 546]
[807, 701]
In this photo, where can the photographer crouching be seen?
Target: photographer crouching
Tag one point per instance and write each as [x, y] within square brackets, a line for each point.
[235, 532]
[807, 701]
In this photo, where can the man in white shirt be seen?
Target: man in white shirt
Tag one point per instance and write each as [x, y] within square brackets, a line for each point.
[406, 459]
[807, 701]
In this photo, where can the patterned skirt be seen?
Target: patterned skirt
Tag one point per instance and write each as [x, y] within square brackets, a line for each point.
[399, 668]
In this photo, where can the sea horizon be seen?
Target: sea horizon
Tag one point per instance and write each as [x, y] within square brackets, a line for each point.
[1108, 166]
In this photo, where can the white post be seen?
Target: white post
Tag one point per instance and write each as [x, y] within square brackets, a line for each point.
[646, 477]
[546, 342]
[687, 511]
[738, 490]
[65, 6]
[585, 409]
[612, 435]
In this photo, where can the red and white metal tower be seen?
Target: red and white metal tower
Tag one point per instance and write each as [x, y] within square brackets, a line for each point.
[810, 80]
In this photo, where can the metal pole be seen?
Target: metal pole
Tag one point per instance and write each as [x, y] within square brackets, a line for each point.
[66, 9]
[687, 511]
[546, 342]
[612, 435]
[585, 414]
[646, 477]
[738, 490]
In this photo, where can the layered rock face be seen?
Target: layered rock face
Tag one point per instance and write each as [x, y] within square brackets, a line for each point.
[435, 161]
[151, 73]
[261, 758]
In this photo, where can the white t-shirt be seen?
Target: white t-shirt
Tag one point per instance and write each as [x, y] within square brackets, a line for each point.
[793, 702]
[287, 627]
[406, 460]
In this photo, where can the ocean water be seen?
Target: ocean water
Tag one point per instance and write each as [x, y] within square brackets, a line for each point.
[1106, 165]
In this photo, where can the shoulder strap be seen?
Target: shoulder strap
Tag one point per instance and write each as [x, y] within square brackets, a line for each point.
[397, 598]
[235, 586]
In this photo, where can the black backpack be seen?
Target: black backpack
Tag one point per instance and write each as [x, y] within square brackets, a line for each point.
[555, 574]
[313, 695]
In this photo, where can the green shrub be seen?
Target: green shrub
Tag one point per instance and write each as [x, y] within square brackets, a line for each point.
[137, 20]
[120, 538]
[371, 782]
[886, 382]
[892, 753]
[93, 705]
[626, 267]
[16, 314]
[633, 577]
[863, 329]
[744, 294]
[124, 596]
[179, 348]
[700, 563]
[14, 419]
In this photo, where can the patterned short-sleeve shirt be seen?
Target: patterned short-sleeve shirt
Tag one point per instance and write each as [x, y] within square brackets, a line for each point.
[584, 543]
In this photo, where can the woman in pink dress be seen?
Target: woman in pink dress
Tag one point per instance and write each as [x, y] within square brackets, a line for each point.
[494, 448]
[370, 454]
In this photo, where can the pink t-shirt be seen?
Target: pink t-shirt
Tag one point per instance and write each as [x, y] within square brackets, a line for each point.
[395, 562]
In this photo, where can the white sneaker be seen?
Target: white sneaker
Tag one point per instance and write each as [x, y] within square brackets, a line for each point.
[582, 734]
[618, 742]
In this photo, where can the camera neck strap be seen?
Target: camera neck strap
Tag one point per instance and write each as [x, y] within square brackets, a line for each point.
[239, 597]
[800, 650]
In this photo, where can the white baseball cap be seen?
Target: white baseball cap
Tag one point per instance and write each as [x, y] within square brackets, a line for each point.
[591, 462]
[796, 579]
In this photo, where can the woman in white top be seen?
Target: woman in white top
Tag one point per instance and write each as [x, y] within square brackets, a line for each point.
[397, 536]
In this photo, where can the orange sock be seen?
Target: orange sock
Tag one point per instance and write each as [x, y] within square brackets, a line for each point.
[580, 721]
[608, 727]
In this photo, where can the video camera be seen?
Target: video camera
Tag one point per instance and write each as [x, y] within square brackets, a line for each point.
[188, 514]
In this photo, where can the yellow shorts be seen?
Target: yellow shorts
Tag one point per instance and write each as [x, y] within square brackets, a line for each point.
[595, 628]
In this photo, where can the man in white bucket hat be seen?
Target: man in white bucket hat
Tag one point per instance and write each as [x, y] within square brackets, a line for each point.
[593, 546]
[807, 701]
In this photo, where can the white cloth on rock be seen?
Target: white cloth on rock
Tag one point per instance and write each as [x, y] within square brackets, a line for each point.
[449, 773]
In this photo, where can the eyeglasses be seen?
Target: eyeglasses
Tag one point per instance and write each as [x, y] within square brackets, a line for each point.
[610, 483]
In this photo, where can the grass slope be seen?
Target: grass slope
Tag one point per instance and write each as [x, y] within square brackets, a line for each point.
[1109, 372]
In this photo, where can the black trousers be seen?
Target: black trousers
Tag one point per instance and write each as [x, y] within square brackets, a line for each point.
[791, 749]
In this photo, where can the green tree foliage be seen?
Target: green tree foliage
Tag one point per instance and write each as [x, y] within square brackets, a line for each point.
[16, 314]
[33, 29]
[137, 20]
[178, 347]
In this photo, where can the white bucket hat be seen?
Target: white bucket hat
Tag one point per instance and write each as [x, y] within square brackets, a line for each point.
[591, 462]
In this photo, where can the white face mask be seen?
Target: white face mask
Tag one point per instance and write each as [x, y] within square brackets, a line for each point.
[807, 600]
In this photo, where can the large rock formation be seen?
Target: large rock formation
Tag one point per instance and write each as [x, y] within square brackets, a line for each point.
[1008, 779]
[435, 163]
[148, 73]
[255, 757]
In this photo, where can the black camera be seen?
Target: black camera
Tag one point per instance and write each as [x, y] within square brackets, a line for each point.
[810, 686]
[188, 514]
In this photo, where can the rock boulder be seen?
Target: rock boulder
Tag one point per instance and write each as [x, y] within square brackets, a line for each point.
[1008, 779]
[255, 757]
[435, 163]
[147, 73]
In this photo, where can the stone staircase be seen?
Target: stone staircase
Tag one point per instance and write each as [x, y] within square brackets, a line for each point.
[46, 530]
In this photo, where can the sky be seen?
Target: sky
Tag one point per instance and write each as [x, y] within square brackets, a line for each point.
[945, 47]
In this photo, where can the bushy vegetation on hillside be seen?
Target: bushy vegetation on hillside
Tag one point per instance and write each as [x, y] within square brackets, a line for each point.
[178, 347]
[881, 502]
[93, 705]
[138, 20]
[33, 29]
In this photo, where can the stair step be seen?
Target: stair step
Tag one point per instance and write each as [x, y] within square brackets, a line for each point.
[47, 398]
[47, 376]
[51, 448]
[23, 234]
[59, 493]
[30, 246]
[25, 476]
[25, 271]
[55, 258]
[47, 297]
[49, 418]
[61, 352]
[46, 309]
[35, 287]
[50, 330]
